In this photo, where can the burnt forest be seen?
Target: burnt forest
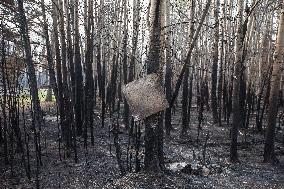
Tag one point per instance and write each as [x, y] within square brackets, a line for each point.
[141, 94]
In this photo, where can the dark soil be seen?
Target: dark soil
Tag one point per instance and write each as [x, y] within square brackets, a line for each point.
[185, 162]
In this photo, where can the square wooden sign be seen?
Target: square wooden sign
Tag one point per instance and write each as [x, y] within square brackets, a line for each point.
[145, 96]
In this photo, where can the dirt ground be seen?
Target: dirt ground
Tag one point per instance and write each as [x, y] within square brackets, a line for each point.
[184, 158]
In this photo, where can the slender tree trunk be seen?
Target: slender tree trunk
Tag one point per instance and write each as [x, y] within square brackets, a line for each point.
[66, 92]
[214, 104]
[169, 73]
[49, 53]
[125, 66]
[265, 74]
[58, 63]
[136, 22]
[185, 123]
[89, 88]
[69, 4]
[269, 154]
[237, 79]
[37, 112]
[30, 65]
[4, 100]
[78, 76]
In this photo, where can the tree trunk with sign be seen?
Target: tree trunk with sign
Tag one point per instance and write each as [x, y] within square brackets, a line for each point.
[153, 123]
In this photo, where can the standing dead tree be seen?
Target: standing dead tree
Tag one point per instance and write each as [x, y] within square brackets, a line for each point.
[269, 154]
[153, 158]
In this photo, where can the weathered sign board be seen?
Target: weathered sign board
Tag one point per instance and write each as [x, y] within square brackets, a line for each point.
[145, 96]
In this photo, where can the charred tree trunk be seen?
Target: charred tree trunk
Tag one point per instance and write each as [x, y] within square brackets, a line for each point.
[58, 63]
[136, 22]
[265, 77]
[4, 100]
[238, 72]
[36, 108]
[185, 119]
[38, 117]
[49, 53]
[89, 87]
[152, 160]
[214, 104]
[124, 67]
[188, 57]
[66, 93]
[78, 76]
[269, 154]
[30, 65]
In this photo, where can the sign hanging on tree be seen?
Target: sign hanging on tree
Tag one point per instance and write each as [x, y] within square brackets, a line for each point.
[145, 96]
